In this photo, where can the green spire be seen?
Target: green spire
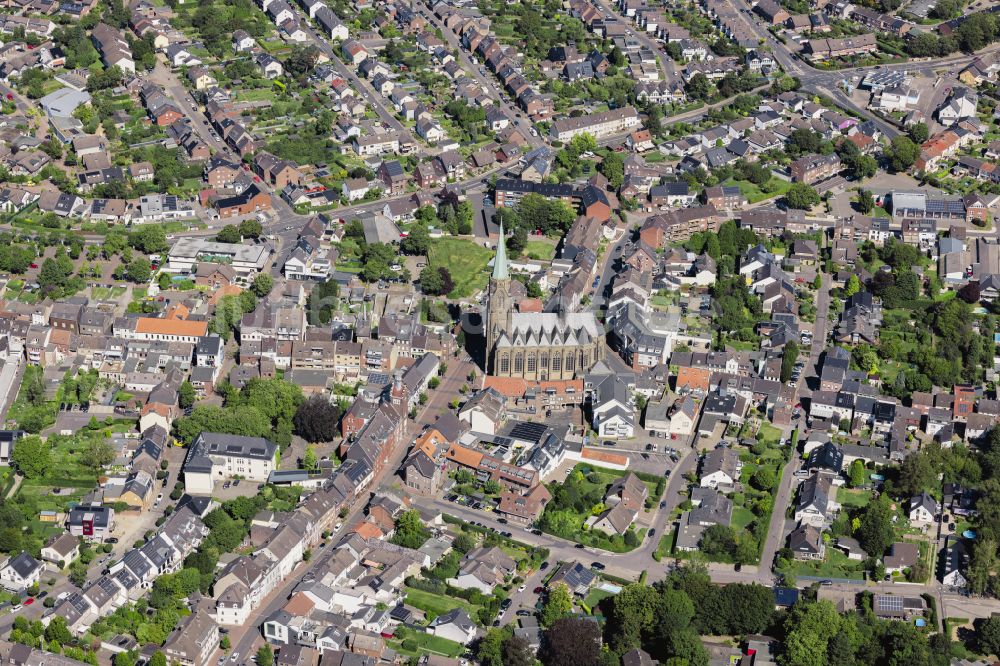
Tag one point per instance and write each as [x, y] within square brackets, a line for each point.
[500, 271]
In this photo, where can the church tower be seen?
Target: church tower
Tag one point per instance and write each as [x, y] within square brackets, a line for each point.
[499, 305]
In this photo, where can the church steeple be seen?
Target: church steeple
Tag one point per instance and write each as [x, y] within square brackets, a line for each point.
[500, 270]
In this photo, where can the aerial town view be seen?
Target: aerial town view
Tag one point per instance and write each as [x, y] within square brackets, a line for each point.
[500, 332]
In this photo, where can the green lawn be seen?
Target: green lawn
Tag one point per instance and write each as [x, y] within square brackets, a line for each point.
[836, 565]
[568, 523]
[753, 192]
[262, 95]
[107, 293]
[426, 643]
[594, 597]
[768, 434]
[437, 604]
[853, 498]
[741, 517]
[465, 260]
[540, 250]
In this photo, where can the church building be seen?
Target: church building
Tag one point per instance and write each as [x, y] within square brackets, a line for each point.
[537, 346]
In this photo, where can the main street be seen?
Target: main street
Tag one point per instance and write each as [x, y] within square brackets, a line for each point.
[246, 638]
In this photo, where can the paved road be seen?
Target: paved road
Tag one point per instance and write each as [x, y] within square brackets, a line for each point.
[668, 71]
[477, 70]
[374, 99]
[780, 526]
[246, 639]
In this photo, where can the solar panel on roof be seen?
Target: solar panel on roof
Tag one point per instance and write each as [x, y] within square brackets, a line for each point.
[891, 603]
[528, 431]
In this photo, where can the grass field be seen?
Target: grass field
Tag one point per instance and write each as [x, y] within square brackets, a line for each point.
[754, 194]
[262, 95]
[107, 293]
[427, 643]
[853, 498]
[741, 517]
[836, 565]
[594, 597]
[768, 434]
[465, 260]
[437, 604]
[540, 250]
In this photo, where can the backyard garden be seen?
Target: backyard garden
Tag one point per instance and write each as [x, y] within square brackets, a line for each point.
[581, 496]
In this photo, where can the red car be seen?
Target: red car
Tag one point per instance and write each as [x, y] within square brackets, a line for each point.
[34, 265]
[538, 590]
[10, 95]
[29, 601]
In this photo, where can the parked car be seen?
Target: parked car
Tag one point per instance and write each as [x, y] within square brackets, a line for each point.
[597, 565]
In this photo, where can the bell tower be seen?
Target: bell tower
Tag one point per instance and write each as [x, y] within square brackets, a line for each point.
[499, 305]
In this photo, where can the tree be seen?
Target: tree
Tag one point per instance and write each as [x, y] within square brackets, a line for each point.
[489, 649]
[698, 88]
[916, 474]
[317, 419]
[262, 284]
[410, 530]
[852, 287]
[613, 168]
[265, 655]
[124, 659]
[903, 153]
[229, 234]
[918, 132]
[789, 357]
[159, 659]
[31, 456]
[571, 642]
[309, 460]
[436, 281]
[875, 533]
[464, 542]
[558, 604]
[866, 202]
[801, 196]
[809, 628]
[185, 395]
[764, 478]
[517, 652]
[418, 241]
[58, 631]
[988, 635]
[251, 228]
[718, 540]
[97, 454]
[857, 474]
[983, 563]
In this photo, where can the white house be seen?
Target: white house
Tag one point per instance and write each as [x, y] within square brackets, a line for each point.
[923, 509]
[355, 189]
[20, 572]
[455, 625]
[215, 456]
[720, 468]
[484, 412]
[612, 406]
[961, 105]
[62, 549]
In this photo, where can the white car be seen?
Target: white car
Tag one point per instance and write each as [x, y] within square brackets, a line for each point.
[522, 588]
[236, 655]
[337, 527]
